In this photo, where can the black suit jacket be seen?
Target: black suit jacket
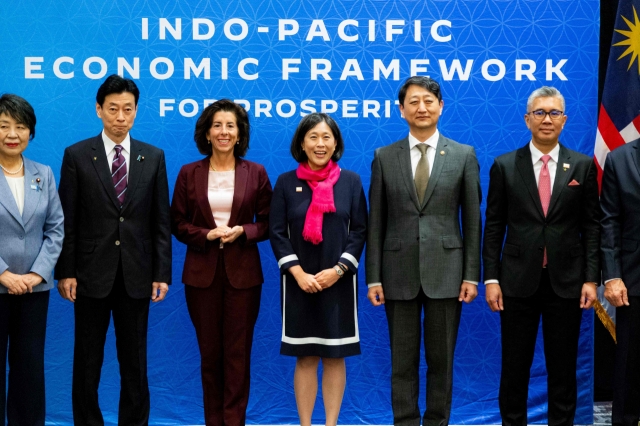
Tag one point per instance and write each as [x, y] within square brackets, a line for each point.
[99, 234]
[570, 231]
[620, 200]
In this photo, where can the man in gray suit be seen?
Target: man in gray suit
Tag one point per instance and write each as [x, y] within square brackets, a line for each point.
[417, 257]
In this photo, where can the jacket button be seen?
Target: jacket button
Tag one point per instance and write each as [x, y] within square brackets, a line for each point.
[122, 219]
[421, 214]
[22, 237]
[117, 242]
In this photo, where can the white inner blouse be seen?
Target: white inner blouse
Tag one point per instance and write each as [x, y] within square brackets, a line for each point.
[221, 186]
[16, 185]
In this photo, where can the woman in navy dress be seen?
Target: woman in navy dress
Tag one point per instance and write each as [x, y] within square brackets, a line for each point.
[318, 227]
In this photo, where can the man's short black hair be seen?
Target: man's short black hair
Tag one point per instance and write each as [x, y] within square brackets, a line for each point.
[309, 122]
[20, 110]
[427, 83]
[116, 84]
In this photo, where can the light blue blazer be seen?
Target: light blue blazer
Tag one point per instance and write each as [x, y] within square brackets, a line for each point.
[31, 242]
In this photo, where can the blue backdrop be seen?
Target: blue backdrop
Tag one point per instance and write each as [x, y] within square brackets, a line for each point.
[281, 59]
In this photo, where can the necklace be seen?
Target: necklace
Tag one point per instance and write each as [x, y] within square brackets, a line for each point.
[17, 171]
[216, 170]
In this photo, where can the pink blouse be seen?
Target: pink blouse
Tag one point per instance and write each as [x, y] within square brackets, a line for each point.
[221, 185]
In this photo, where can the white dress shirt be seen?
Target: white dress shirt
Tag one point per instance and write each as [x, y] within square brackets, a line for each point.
[552, 165]
[16, 185]
[432, 144]
[110, 149]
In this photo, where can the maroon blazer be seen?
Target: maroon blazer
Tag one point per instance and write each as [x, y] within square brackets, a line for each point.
[191, 221]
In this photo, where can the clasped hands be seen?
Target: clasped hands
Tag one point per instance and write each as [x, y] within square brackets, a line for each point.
[314, 283]
[17, 284]
[226, 234]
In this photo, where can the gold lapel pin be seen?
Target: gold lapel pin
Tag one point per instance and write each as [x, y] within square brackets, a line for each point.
[565, 166]
[95, 158]
[442, 152]
[298, 189]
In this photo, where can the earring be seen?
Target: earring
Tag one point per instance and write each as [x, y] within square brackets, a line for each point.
[237, 143]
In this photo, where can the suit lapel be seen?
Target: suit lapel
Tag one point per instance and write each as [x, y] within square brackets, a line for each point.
[7, 200]
[31, 196]
[404, 158]
[525, 168]
[438, 163]
[136, 167]
[103, 168]
[562, 177]
[636, 153]
[240, 186]
[201, 176]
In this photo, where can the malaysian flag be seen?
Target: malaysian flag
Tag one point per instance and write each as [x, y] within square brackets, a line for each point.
[619, 119]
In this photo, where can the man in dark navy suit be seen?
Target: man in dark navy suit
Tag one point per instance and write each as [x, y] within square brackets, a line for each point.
[117, 251]
[620, 198]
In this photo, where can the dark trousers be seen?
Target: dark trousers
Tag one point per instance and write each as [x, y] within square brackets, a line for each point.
[23, 325]
[224, 318]
[130, 319]
[626, 379]
[560, 330]
[440, 327]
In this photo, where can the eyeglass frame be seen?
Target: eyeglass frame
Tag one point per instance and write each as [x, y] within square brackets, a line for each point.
[542, 117]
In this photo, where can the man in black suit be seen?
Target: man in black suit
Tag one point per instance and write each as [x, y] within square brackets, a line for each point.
[423, 250]
[544, 198]
[116, 253]
[620, 200]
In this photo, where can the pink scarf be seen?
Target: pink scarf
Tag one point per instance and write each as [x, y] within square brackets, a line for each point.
[321, 183]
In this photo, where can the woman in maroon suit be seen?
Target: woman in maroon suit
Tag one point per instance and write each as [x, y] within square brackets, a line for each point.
[220, 210]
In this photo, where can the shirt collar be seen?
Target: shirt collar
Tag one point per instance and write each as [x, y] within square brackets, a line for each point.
[432, 141]
[109, 145]
[536, 154]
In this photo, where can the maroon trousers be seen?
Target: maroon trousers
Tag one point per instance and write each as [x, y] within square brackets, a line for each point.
[224, 318]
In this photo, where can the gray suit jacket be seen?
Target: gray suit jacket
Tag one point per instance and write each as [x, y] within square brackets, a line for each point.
[31, 242]
[410, 246]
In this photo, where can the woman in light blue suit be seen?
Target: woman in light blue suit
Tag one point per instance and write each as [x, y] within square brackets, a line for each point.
[31, 233]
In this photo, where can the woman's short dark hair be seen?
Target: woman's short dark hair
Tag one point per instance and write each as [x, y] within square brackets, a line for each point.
[427, 83]
[20, 110]
[116, 84]
[309, 122]
[205, 121]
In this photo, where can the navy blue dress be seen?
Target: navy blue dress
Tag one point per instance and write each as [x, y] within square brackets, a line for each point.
[325, 323]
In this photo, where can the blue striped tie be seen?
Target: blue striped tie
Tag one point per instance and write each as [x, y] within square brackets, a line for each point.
[119, 174]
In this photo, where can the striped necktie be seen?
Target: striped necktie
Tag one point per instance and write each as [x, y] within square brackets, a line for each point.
[119, 174]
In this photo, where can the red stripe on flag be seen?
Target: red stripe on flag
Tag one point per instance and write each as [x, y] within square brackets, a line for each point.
[599, 170]
[608, 130]
[636, 122]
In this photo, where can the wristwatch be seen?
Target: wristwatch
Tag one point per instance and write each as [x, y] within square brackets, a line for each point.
[339, 271]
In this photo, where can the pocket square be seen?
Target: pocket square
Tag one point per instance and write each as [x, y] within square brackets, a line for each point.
[574, 183]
